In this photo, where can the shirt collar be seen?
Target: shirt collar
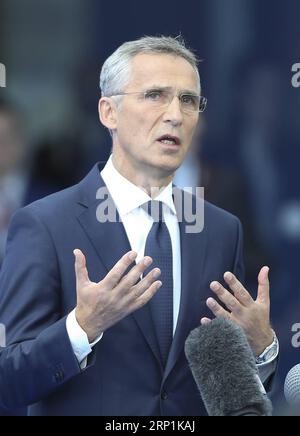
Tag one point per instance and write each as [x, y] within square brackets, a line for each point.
[128, 196]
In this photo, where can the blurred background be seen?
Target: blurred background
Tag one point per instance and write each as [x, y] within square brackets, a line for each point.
[246, 153]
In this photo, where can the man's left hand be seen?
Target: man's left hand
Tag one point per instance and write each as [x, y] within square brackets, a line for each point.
[252, 315]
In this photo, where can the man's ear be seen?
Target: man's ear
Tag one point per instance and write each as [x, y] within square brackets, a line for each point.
[107, 113]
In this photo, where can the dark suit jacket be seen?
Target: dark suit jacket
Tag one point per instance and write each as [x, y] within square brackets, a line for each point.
[124, 375]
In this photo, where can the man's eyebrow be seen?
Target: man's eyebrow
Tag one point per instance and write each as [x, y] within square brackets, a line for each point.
[189, 91]
[160, 88]
[169, 88]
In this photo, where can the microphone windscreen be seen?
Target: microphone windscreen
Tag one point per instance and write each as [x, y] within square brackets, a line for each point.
[224, 368]
[292, 386]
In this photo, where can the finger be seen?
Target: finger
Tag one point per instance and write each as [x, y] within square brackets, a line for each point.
[226, 297]
[263, 293]
[240, 293]
[216, 309]
[116, 273]
[205, 321]
[147, 295]
[135, 273]
[137, 290]
[82, 277]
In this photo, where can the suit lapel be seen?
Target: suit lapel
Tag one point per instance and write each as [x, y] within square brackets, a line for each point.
[110, 241]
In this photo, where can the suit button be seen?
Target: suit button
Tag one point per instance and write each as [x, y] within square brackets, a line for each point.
[164, 396]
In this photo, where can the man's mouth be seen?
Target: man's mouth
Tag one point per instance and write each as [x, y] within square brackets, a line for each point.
[169, 140]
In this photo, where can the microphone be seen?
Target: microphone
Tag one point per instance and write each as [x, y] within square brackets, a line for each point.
[225, 372]
[292, 388]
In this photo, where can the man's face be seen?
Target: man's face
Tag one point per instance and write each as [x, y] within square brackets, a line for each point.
[139, 125]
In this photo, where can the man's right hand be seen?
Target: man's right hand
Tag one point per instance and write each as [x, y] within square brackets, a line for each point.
[101, 305]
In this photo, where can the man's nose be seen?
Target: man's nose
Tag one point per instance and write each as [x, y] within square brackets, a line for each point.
[173, 113]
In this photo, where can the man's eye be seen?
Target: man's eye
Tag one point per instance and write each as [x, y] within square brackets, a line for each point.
[188, 100]
[153, 95]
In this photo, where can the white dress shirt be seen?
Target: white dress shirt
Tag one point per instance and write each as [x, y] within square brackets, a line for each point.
[128, 199]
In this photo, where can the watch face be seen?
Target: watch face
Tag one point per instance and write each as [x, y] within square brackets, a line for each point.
[268, 354]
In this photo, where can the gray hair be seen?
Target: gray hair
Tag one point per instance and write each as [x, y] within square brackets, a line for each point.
[115, 73]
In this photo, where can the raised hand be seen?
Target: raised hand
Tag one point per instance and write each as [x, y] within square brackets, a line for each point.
[252, 315]
[101, 305]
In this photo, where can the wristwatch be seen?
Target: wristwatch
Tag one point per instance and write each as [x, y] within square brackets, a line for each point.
[270, 353]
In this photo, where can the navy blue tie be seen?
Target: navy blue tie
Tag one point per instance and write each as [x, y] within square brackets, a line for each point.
[159, 247]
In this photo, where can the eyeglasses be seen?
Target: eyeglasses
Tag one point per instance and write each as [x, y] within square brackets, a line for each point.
[162, 98]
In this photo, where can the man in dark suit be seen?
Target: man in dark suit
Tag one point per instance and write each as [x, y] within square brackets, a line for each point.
[116, 346]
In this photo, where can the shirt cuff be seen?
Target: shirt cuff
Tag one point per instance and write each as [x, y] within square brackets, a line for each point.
[269, 354]
[266, 370]
[79, 340]
[266, 363]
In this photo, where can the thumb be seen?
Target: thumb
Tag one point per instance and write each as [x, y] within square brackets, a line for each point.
[263, 293]
[205, 321]
[81, 272]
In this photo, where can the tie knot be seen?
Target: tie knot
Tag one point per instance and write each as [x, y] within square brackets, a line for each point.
[154, 209]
